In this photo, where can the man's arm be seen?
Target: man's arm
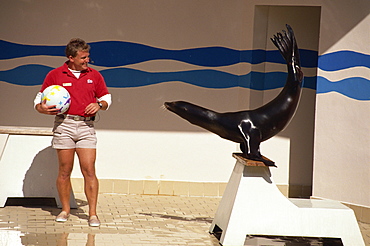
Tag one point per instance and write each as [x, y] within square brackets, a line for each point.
[105, 102]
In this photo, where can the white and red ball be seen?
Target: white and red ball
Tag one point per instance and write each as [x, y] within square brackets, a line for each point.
[57, 95]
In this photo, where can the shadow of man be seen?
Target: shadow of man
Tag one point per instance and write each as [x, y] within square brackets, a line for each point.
[40, 178]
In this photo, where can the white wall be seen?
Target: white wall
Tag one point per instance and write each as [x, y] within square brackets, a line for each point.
[342, 127]
[137, 138]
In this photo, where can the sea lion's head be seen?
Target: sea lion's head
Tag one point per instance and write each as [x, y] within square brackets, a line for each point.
[193, 113]
[180, 108]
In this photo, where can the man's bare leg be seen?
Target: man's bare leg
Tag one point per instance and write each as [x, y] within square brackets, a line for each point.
[87, 159]
[65, 158]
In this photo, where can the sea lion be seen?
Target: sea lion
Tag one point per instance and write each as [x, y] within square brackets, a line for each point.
[251, 127]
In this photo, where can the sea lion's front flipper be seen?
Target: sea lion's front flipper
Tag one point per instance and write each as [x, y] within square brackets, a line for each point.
[251, 145]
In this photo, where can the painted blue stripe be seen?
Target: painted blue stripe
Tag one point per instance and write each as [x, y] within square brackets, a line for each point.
[10, 50]
[355, 87]
[343, 59]
[28, 75]
[125, 77]
[117, 53]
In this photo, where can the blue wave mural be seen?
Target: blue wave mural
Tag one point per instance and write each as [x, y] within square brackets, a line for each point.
[113, 55]
[343, 59]
[355, 87]
[29, 75]
[203, 78]
[119, 53]
[26, 75]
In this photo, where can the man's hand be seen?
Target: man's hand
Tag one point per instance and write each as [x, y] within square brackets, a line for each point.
[92, 108]
[45, 109]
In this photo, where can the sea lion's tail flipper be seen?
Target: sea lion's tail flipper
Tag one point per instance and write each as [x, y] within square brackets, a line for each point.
[287, 45]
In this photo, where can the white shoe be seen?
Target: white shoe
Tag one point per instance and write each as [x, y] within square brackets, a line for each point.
[94, 221]
[62, 217]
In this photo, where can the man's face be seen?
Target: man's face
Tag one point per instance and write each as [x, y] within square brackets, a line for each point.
[80, 61]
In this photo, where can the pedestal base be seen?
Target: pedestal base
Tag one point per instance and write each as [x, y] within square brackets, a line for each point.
[253, 205]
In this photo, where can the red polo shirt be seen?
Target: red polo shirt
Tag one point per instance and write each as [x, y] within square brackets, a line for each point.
[83, 90]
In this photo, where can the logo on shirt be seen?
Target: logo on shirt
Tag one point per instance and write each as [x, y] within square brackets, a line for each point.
[89, 81]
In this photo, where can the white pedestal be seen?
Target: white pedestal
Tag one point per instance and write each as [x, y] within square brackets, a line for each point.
[28, 168]
[253, 205]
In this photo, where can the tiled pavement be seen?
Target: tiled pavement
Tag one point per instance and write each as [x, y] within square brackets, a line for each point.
[126, 220]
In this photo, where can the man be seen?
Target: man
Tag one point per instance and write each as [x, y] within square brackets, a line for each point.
[74, 130]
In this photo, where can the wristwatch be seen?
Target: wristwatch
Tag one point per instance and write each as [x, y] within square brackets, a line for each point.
[100, 104]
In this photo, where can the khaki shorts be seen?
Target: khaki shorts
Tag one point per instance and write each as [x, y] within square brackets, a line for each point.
[71, 134]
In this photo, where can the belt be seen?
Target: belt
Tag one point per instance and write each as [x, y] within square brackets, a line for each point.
[76, 117]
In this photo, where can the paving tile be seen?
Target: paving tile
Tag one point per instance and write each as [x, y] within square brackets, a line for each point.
[126, 220]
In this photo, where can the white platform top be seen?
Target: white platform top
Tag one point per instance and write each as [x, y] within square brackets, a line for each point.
[313, 203]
